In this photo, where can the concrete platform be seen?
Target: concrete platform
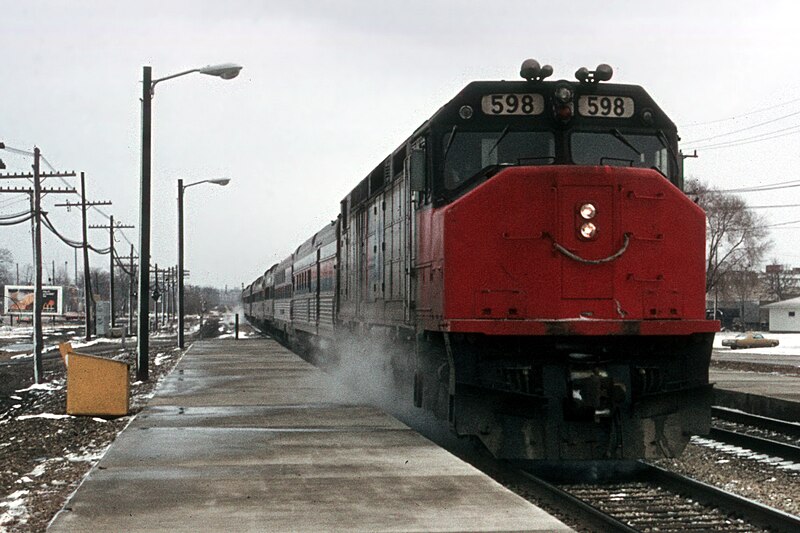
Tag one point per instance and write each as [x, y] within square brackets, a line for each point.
[246, 436]
[765, 394]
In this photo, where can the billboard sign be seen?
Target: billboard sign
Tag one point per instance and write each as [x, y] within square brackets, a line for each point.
[18, 300]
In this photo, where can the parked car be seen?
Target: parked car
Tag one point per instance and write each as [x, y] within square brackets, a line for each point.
[750, 340]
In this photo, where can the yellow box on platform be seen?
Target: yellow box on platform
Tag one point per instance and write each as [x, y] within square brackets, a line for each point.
[95, 386]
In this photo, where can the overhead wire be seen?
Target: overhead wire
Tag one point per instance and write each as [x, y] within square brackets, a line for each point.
[15, 222]
[757, 188]
[70, 242]
[121, 265]
[771, 206]
[15, 215]
[20, 151]
[743, 115]
[752, 126]
[775, 134]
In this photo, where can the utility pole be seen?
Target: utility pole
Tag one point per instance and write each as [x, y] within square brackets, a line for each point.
[121, 262]
[131, 294]
[35, 194]
[37, 269]
[156, 294]
[111, 227]
[173, 287]
[88, 310]
[165, 306]
[87, 281]
[142, 330]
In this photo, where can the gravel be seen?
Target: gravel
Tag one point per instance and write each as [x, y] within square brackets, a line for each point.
[770, 481]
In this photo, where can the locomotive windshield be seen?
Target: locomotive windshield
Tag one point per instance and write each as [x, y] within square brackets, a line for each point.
[466, 153]
[617, 149]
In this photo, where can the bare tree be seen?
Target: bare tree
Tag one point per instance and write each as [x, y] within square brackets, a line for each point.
[5, 273]
[735, 236]
[6, 259]
[100, 283]
[743, 286]
[779, 283]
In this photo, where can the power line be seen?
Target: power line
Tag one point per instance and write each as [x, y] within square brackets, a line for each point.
[20, 151]
[759, 188]
[775, 134]
[771, 206]
[27, 217]
[753, 112]
[753, 126]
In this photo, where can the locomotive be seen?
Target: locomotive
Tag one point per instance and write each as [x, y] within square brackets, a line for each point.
[531, 265]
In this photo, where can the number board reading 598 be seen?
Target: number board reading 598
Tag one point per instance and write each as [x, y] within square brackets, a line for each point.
[513, 104]
[606, 106]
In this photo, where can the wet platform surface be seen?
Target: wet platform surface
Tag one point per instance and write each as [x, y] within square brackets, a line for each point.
[246, 436]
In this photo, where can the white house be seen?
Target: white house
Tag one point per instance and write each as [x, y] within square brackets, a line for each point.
[784, 316]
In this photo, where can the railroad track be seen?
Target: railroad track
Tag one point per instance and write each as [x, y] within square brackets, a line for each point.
[759, 444]
[654, 499]
[771, 424]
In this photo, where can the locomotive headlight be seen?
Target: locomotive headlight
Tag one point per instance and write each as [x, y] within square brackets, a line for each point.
[588, 231]
[588, 211]
[465, 112]
[563, 94]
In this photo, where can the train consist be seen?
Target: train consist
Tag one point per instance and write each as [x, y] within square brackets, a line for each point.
[528, 260]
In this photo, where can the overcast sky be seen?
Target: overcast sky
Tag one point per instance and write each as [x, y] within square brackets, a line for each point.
[328, 89]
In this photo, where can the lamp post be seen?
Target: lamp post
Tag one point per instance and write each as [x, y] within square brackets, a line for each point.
[181, 188]
[225, 71]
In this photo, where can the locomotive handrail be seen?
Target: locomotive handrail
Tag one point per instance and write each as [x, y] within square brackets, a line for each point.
[608, 259]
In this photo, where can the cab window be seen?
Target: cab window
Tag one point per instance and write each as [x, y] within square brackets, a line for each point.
[468, 152]
[615, 148]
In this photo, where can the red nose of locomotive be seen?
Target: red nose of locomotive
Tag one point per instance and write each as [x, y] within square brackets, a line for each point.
[570, 249]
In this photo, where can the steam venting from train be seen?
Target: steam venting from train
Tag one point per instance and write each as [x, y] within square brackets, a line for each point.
[364, 372]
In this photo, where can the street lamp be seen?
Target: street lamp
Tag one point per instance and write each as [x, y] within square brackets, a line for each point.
[181, 188]
[225, 71]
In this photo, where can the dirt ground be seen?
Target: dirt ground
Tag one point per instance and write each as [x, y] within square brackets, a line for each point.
[43, 458]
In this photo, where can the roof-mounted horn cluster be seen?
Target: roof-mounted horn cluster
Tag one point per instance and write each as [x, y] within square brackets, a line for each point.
[532, 71]
[602, 73]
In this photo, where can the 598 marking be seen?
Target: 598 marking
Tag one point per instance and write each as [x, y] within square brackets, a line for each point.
[512, 104]
[606, 106]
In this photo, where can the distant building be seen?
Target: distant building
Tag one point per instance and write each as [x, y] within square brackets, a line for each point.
[735, 315]
[784, 316]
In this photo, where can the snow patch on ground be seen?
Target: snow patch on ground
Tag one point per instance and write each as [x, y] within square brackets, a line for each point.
[53, 385]
[88, 456]
[744, 453]
[50, 416]
[15, 511]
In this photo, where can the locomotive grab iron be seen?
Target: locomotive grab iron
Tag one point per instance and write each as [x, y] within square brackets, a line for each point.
[531, 259]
